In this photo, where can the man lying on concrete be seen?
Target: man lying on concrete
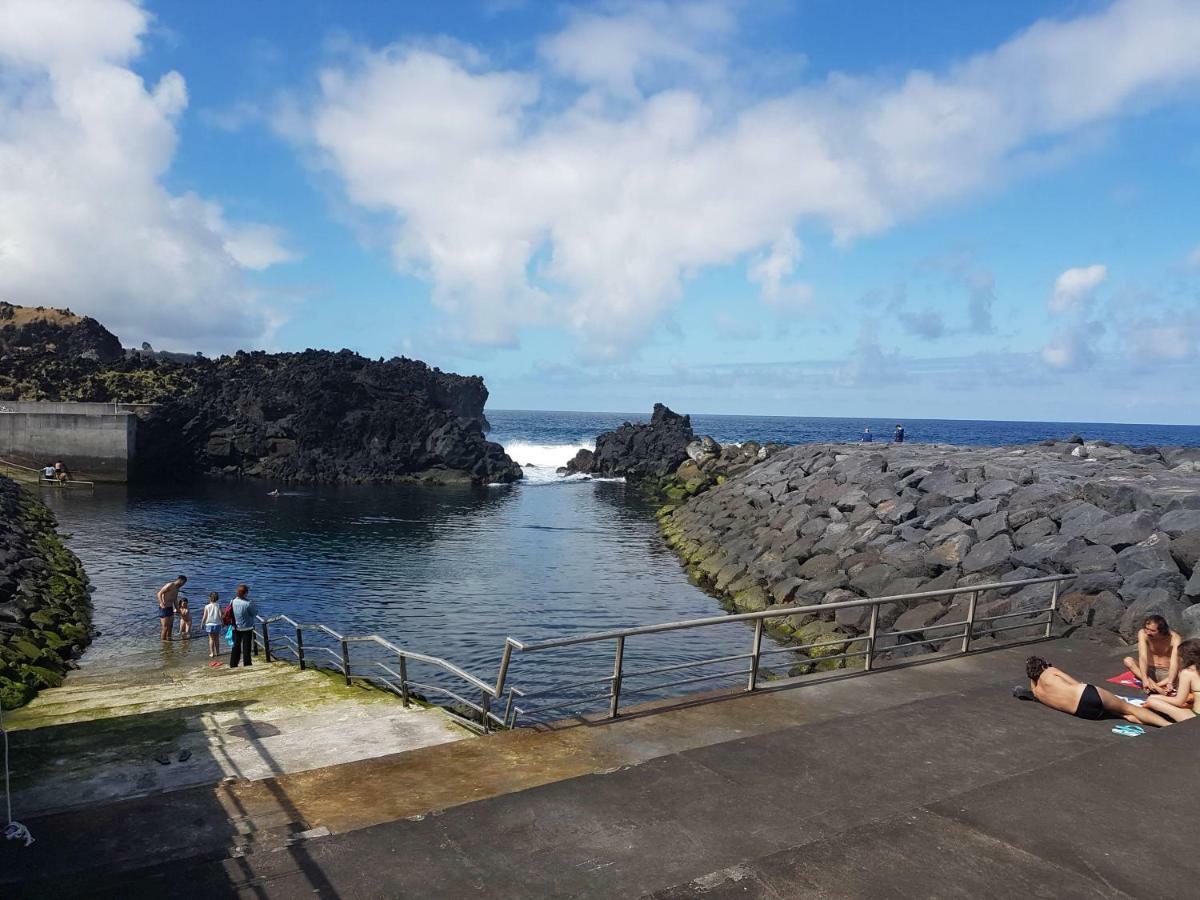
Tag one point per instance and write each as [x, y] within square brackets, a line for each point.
[1058, 690]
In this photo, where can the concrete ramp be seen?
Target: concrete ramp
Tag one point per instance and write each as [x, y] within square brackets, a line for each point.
[101, 736]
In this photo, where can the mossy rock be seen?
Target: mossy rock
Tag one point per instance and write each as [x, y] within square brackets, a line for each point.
[14, 693]
[26, 648]
[51, 641]
[41, 677]
[73, 632]
[751, 599]
[45, 618]
[676, 492]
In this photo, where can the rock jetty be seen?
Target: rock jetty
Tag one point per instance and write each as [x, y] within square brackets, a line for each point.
[822, 523]
[45, 606]
[316, 417]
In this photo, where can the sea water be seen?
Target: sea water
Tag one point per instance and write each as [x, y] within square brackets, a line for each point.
[453, 571]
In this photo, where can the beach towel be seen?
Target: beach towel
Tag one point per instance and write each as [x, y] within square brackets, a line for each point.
[1128, 730]
[1126, 678]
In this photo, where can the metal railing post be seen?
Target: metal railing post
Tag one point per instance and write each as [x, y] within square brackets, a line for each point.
[618, 662]
[346, 661]
[1053, 609]
[508, 710]
[266, 641]
[300, 646]
[970, 626]
[485, 705]
[754, 655]
[872, 631]
[404, 679]
[502, 675]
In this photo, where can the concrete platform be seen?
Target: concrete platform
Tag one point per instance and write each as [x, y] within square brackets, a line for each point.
[928, 780]
[94, 740]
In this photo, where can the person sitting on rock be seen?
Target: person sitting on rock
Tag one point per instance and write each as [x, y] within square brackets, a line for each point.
[1055, 688]
[1185, 703]
[1157, 663]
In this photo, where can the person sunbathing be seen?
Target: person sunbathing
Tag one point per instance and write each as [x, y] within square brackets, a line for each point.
[1185, 703]
[1055, 688]
[1157, 664]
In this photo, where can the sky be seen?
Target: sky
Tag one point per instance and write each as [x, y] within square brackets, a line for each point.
[935, 209]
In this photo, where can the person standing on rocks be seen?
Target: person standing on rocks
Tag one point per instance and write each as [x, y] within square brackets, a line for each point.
[866, 435]
[898, 436]
[1157, 663]
[244, 611]
[168, 600]
[1056, 689]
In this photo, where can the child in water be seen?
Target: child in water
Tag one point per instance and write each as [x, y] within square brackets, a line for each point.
[1185, 704]
[185, 619]
[210, 620]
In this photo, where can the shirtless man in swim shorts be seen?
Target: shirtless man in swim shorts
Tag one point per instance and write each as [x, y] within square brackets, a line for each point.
[1157, 664]
[1058, 690]
[168, 599]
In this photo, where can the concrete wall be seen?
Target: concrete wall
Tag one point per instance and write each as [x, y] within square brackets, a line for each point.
[95, 440]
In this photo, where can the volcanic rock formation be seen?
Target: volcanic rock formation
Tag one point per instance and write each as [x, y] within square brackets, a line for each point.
[316, 416]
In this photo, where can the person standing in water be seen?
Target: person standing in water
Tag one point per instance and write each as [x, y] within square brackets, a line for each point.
[210, 621]
[168, 599]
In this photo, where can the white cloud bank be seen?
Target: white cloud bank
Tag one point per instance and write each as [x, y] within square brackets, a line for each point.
[588, 190]
[84, 219]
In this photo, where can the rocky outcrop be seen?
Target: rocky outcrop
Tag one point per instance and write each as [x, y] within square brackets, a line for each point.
[650, 450]
[316, 416]
[325, 417]
[45, 608]
[822, 523]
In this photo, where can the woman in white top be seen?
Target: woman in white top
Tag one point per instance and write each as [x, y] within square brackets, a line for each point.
[212, 623]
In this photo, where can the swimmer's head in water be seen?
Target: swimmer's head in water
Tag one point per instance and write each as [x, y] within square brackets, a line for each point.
[1034, 667]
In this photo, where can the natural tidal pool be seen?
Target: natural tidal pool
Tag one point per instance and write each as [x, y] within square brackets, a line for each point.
[445, 571]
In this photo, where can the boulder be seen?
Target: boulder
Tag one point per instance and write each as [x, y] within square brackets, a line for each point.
[1159, 582]
[1092, 558]
[1189, 625]
[995, 489]
[950, 553]
[1076, 518]
[1124, 530]
[990, 526]
[988, 556]
[1185, 550]
[1152, 553]
[1102, 610]
[1034, 531]
[1178, 521]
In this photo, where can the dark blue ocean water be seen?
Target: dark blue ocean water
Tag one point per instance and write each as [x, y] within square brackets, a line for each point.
[453, 571]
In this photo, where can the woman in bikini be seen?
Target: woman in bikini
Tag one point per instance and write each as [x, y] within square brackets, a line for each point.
[1157, 663]
[1185, 704]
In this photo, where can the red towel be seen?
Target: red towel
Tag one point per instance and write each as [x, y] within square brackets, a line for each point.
[1127, 678]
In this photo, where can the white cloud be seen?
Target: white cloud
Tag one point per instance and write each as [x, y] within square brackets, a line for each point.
[1074, 347]
[86, 222]
[1074, 287]
[588, 192]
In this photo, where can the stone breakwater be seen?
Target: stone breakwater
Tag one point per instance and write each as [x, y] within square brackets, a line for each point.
[45, 607]
[824, 523]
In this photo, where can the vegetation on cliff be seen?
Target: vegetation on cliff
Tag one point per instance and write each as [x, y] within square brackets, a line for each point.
[45, 608]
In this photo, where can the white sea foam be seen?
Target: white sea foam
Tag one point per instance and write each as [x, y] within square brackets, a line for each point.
[541, 462]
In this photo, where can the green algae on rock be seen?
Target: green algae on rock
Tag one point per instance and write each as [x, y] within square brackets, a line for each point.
[45, 607]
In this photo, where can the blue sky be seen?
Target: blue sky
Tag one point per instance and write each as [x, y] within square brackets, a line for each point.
[935, 209]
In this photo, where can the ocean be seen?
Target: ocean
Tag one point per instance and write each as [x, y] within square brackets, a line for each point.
[451, 572]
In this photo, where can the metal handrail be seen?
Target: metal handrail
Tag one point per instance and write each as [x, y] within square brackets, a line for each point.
[872, 637]
[11, 467]
[494, 692]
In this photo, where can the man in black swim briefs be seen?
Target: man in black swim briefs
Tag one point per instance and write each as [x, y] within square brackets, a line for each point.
[1058, 690]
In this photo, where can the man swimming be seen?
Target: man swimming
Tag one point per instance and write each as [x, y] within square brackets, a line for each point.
[1058, 690]
[168, 599]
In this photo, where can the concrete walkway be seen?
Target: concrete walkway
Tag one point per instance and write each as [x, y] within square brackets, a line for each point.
[95, 739]
[927, 780]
